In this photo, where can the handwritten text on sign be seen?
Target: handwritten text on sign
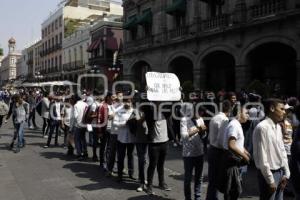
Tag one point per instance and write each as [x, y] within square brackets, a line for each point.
[163, 87]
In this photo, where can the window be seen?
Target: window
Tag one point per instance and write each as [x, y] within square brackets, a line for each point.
[75, 54]
[56, 63]
[179, 21]
[70, 57]
[52, 62]
[60, 21]
[60, 38]
[12, 61]
[59, 62]
[56, 24]
[215, 9]
[81, 54]
[56, 39]
[52, 26]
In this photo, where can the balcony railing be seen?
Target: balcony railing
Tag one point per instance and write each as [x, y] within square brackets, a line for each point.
[146, 41]
[216, 22]
[268, 8]
[73, 65]
[100, 61]
[179, 32]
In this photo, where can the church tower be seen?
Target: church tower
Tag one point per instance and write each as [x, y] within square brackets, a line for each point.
[11, 45]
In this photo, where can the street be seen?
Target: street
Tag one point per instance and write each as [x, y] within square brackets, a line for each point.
[49, 174]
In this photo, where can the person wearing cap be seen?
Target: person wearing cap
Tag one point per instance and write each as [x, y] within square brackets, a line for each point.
[269, 153]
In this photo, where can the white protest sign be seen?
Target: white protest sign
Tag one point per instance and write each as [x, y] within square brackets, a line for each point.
[162, 87]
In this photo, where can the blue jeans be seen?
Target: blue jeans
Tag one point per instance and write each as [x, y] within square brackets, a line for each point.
[189, 164]
[141, 149]
[80, 141]
[20, 133]
[213, 163]
[264, 188]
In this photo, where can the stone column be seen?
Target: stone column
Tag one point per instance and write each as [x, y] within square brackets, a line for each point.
[298, 77]
[196, 77]
[201, 79]
[242, 76]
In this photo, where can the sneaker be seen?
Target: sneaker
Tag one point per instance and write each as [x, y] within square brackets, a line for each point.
[46, 146]
[175, 144]
[140, 188]
[149, 190]
[164, 187]
[31, 127]
[109, 174]
[132, 177]
[45, 136]
[17, 150]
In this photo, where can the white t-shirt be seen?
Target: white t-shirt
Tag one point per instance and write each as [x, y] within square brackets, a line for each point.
[234, 129]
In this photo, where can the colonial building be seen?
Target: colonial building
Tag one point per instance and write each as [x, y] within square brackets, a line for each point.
[105, 48]
[75, 55]
[215, 44]
[8, 63]
[61, 24]
[22, 67]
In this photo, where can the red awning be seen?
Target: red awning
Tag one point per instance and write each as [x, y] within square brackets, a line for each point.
[90, 48]
[112, 43]
[97, 44]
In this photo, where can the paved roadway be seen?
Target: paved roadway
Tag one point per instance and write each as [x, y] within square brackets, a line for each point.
[48, 174]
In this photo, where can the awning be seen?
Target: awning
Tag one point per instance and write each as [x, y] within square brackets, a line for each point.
[130, 23]
[178, 7]
[146, 18]
[95, 44]
[90, 48]
[112, 43]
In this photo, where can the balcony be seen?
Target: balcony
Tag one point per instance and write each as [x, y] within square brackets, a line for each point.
[79, 64]
[178, 32]
[142, 42]
[100, 61]
[216, 22]
[268, 8]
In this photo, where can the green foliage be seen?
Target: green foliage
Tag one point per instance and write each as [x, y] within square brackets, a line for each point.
[1, 52]
[70, 26]
[259, 88]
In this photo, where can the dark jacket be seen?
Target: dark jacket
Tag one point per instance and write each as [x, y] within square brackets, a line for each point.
[295, 161]
[53, 112]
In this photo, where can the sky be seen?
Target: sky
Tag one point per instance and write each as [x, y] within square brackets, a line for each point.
[22, 20]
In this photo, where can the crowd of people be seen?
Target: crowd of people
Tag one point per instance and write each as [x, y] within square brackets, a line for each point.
[265, 133]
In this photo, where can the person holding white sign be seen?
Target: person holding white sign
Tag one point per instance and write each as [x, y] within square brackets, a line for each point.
[158, 146]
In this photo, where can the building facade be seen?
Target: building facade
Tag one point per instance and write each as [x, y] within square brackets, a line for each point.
[75, 55]
[61, 24]
[105, 48]
[8, 63]
[22, 66]
[215, 44]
